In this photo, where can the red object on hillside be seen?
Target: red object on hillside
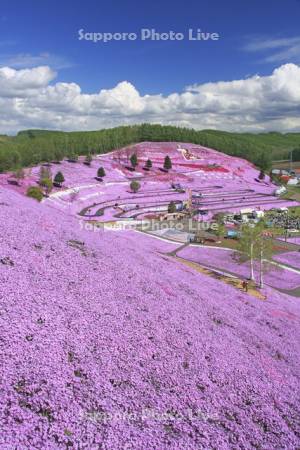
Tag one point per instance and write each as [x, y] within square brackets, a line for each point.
[285, 178]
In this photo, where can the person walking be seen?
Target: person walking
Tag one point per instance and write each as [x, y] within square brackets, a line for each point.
[245, 285]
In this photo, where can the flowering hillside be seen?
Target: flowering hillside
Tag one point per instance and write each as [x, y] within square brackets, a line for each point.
[224, 259]
[108, 343]
[227, 183]
[291, 258]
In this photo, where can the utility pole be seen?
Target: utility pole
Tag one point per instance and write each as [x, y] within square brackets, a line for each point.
[251, 262]
[286, 225]
[291, 160]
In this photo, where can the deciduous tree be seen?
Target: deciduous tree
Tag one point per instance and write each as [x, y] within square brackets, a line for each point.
[135, 186]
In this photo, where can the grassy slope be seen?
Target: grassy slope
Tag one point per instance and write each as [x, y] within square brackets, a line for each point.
[277, 143]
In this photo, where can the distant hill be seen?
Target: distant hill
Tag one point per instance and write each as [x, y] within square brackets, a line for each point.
[37, 133]
[30, 147]
[4, 137]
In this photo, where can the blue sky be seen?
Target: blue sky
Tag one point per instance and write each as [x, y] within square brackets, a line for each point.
[256, 37]
[51, 27]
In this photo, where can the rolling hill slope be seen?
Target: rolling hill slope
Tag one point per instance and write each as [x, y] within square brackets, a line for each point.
[106, 342]
[30, 147]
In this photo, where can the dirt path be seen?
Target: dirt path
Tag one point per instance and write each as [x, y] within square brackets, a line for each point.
[230, 279]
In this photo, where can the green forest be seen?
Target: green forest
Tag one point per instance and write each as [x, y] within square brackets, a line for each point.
[31, 147]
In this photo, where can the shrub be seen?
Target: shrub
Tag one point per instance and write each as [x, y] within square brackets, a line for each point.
[134, 160]
[167, 163]
[149, 164]
[35, 192]
[135, 186]
[47, 184]
[172, 207]
[101, 172]
[59, 178]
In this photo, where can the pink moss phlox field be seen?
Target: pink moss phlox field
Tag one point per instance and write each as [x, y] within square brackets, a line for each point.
[278, 277]
[290, 258]
[109, 343]
[202, 169]
[292, 240]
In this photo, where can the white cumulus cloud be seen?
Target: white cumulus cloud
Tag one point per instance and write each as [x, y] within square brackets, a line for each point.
[30, 98]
